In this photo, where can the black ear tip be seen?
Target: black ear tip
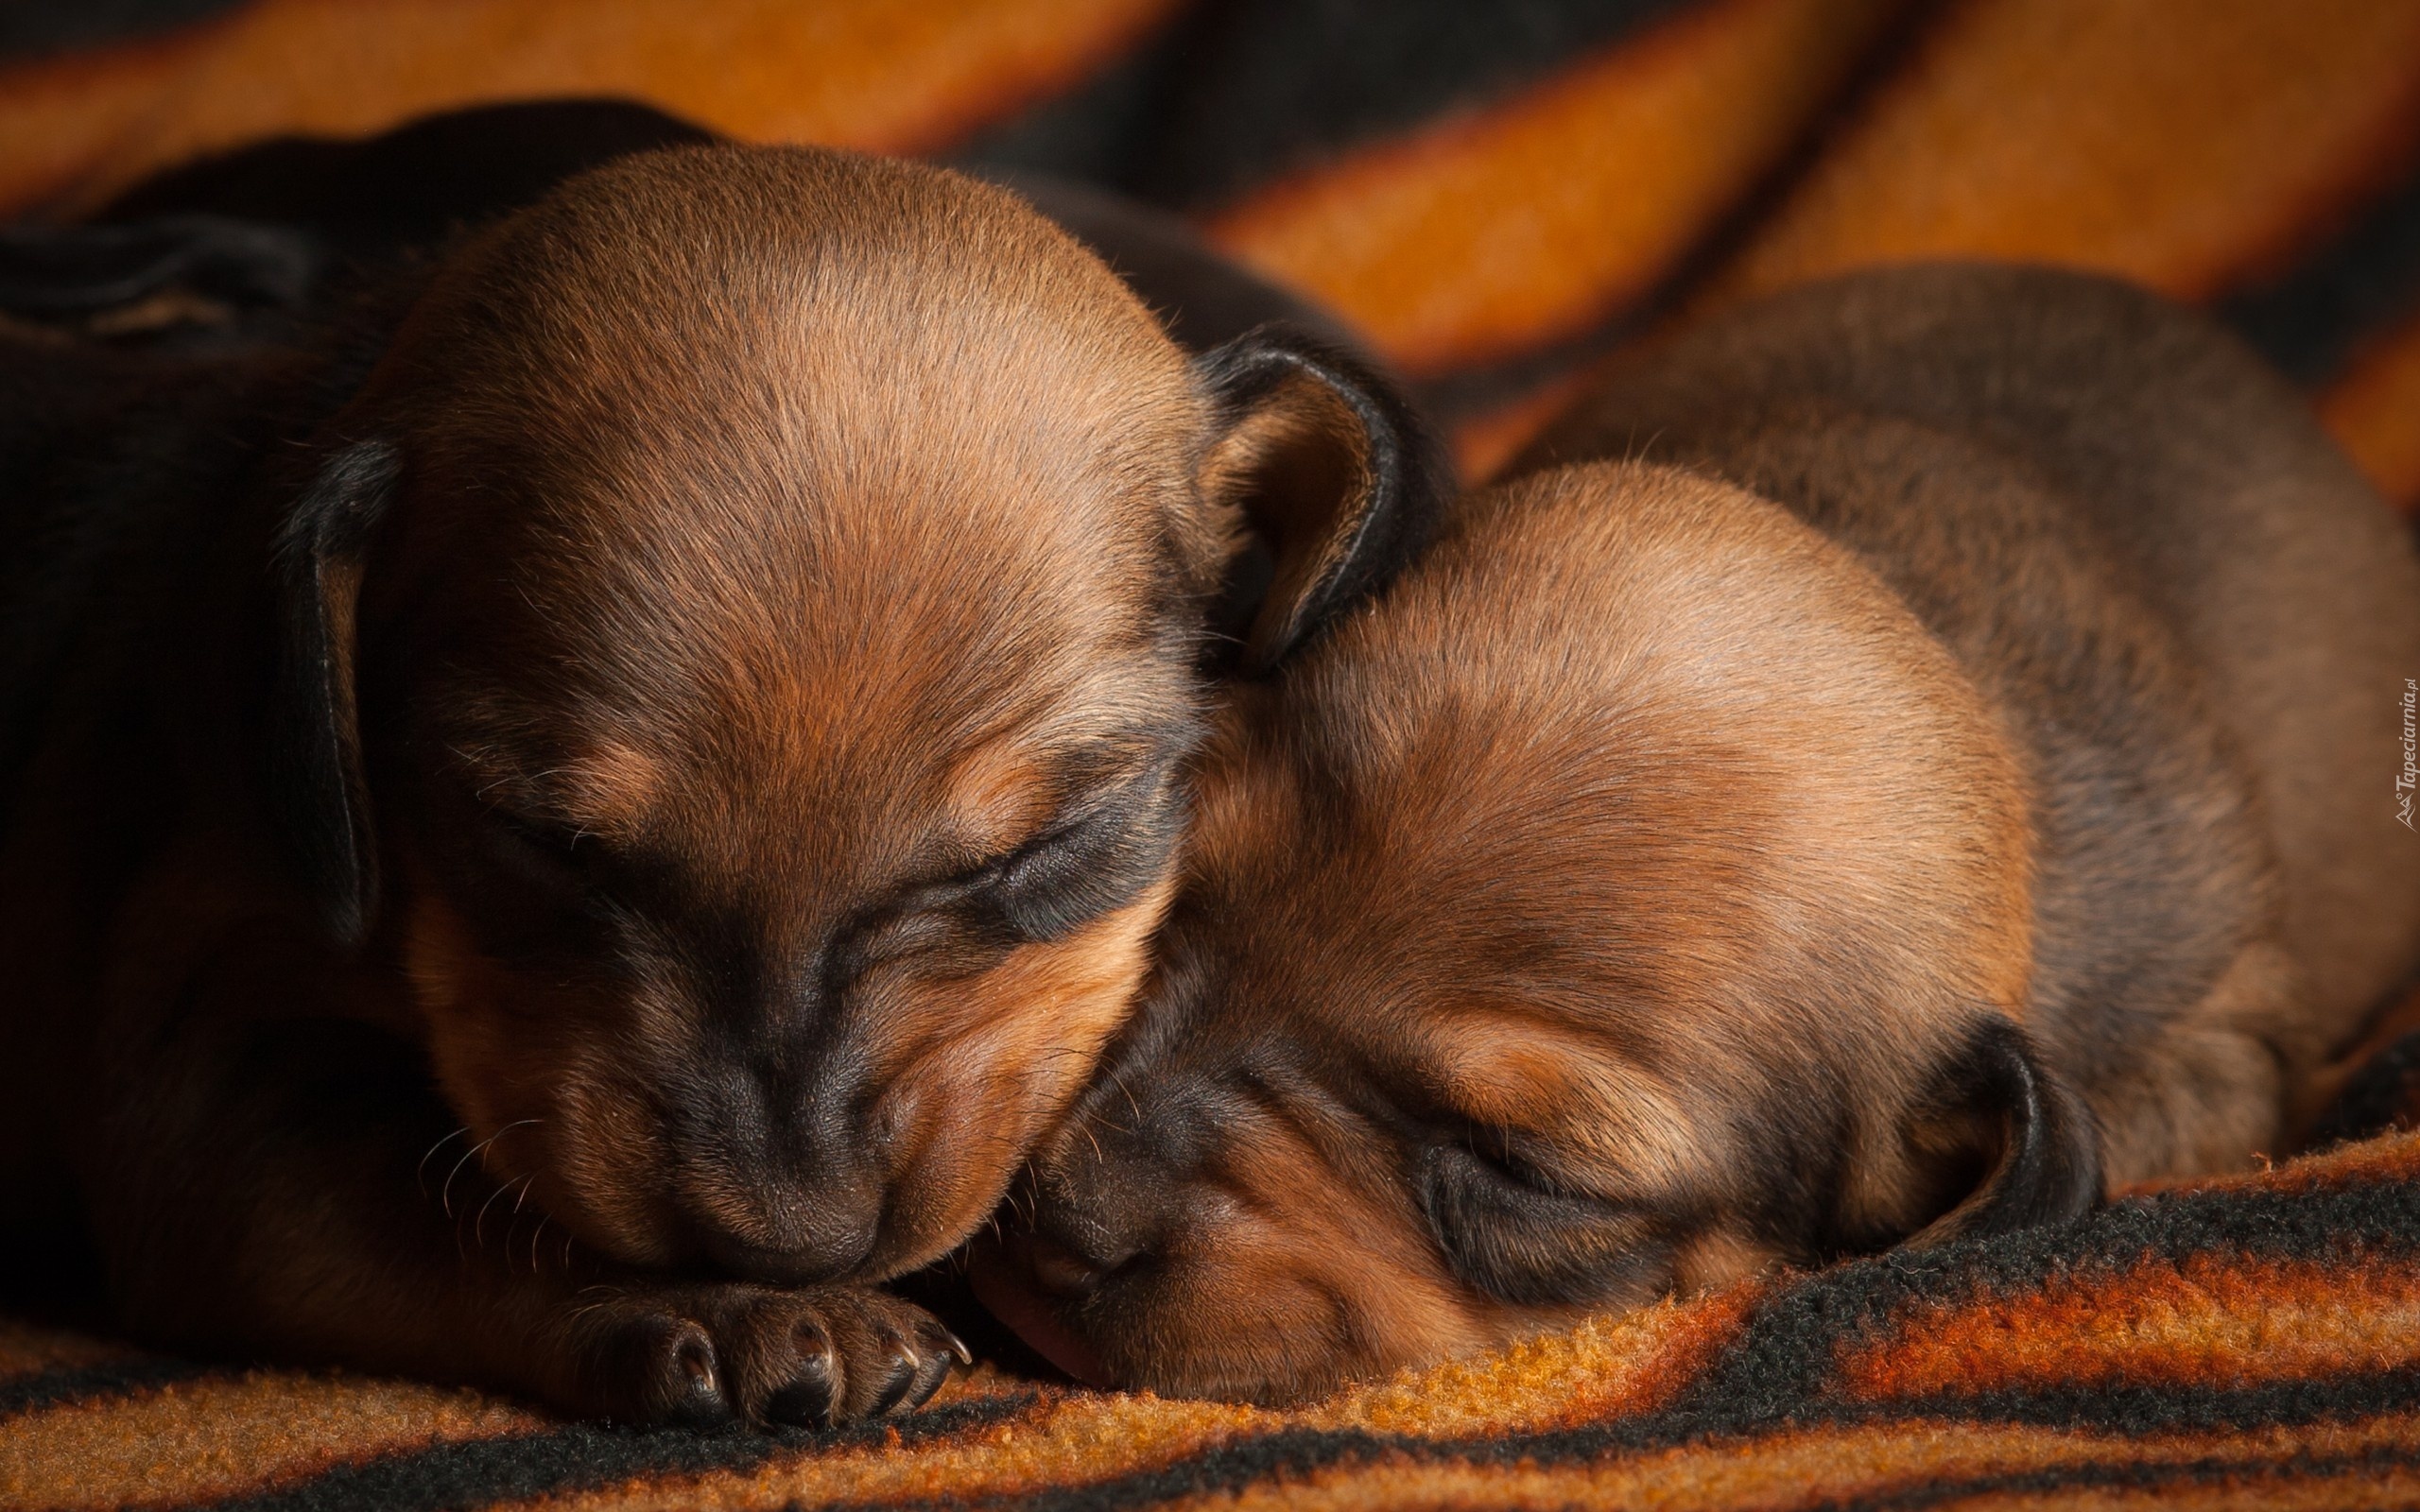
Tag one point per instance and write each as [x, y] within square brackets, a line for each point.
[311, 760]
[1335, 550]
[1246, 367]
[2041, 1140]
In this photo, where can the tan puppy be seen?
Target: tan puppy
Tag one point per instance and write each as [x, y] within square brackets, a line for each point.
[684, 692]
[1929, 748]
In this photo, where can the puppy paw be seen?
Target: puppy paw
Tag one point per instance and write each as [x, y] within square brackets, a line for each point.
[708, 1353]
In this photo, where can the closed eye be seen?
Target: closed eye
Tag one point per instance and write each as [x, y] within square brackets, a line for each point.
[544, 838]
[1085, 866]
[1520, 1237]
[1093, 860]
[545, 850]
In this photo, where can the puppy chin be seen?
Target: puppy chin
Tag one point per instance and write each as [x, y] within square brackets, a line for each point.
[1003, 1281]
[967, 1109]
[984, 1065]
[1293, 1346]
[1275, 1336]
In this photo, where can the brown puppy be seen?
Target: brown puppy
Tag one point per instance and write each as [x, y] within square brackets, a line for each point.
[683, 692]
[1934, 749]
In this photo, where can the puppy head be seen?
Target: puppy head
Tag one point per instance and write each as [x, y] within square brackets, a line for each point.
[1632, 896]
[739, 649]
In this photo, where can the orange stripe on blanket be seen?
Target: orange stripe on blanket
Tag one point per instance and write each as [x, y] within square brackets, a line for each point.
[2187, 144]
[867, 73]
[2374, 411]
[205, 1440]
[2209, 1322]
[1604, 1369]
[1877, 1463]
[1491, 230]
[2393, 1157]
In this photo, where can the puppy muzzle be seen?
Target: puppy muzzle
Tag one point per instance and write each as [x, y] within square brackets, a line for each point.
[1027, 1282]
[788, 1217]
[833, 1242]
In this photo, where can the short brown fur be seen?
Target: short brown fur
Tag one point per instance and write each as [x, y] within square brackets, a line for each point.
[1848, 789]
[708, 729]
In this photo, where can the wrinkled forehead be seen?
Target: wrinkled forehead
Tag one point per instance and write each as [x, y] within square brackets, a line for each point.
[799, 659]
[904, 421]
[1401, 1035]
[747, 654]
[801, 482]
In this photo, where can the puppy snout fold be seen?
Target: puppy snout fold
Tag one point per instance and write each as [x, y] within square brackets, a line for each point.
[776, 1180]
[834, 1240]
[1090, 1223]
[1064, 1272]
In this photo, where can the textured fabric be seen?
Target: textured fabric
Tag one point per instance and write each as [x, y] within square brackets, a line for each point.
[1499, 195]
[2253, 1340]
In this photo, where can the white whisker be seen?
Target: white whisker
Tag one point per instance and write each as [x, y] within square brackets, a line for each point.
[420, 1174]
[472, 1154]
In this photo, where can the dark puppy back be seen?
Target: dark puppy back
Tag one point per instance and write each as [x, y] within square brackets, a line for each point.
[236, 244]
[2141, 537]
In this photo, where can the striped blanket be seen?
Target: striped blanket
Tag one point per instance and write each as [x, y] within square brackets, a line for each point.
[2245, 1341]
[1497, 195]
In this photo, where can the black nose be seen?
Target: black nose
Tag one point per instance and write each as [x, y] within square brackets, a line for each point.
[1085, 1222]
[774, 1170]
[1111, 1191]
[1065, 1271]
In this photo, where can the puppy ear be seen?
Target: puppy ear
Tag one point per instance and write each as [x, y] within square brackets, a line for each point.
[313, 757]
[1338, 475]
[74, 272]
[2021, 1145]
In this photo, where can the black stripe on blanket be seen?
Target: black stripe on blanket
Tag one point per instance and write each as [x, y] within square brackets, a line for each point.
[2312, 321]
[1231, 94]
[32, 28]
[53, 1388]
[2151, 1476]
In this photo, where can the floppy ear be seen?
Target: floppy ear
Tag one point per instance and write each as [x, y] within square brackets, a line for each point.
[313, 738]
[74, 272]
[2025, 1143]
[1339, 476]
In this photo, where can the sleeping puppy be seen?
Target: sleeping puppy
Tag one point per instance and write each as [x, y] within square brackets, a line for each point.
[562, 828]
[1896, 759]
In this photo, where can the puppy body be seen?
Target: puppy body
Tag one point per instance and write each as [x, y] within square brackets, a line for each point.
[2191, 613]
[681, 693]
[1896, 758]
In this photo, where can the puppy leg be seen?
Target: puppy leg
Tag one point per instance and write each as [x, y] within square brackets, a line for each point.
[287, 1189]
[2206, 1093]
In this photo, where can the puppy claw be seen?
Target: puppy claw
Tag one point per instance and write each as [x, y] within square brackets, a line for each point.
[942, 1353]
[702, 1354]
[905, 1370]
[657, 1369]
[808, 1400]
